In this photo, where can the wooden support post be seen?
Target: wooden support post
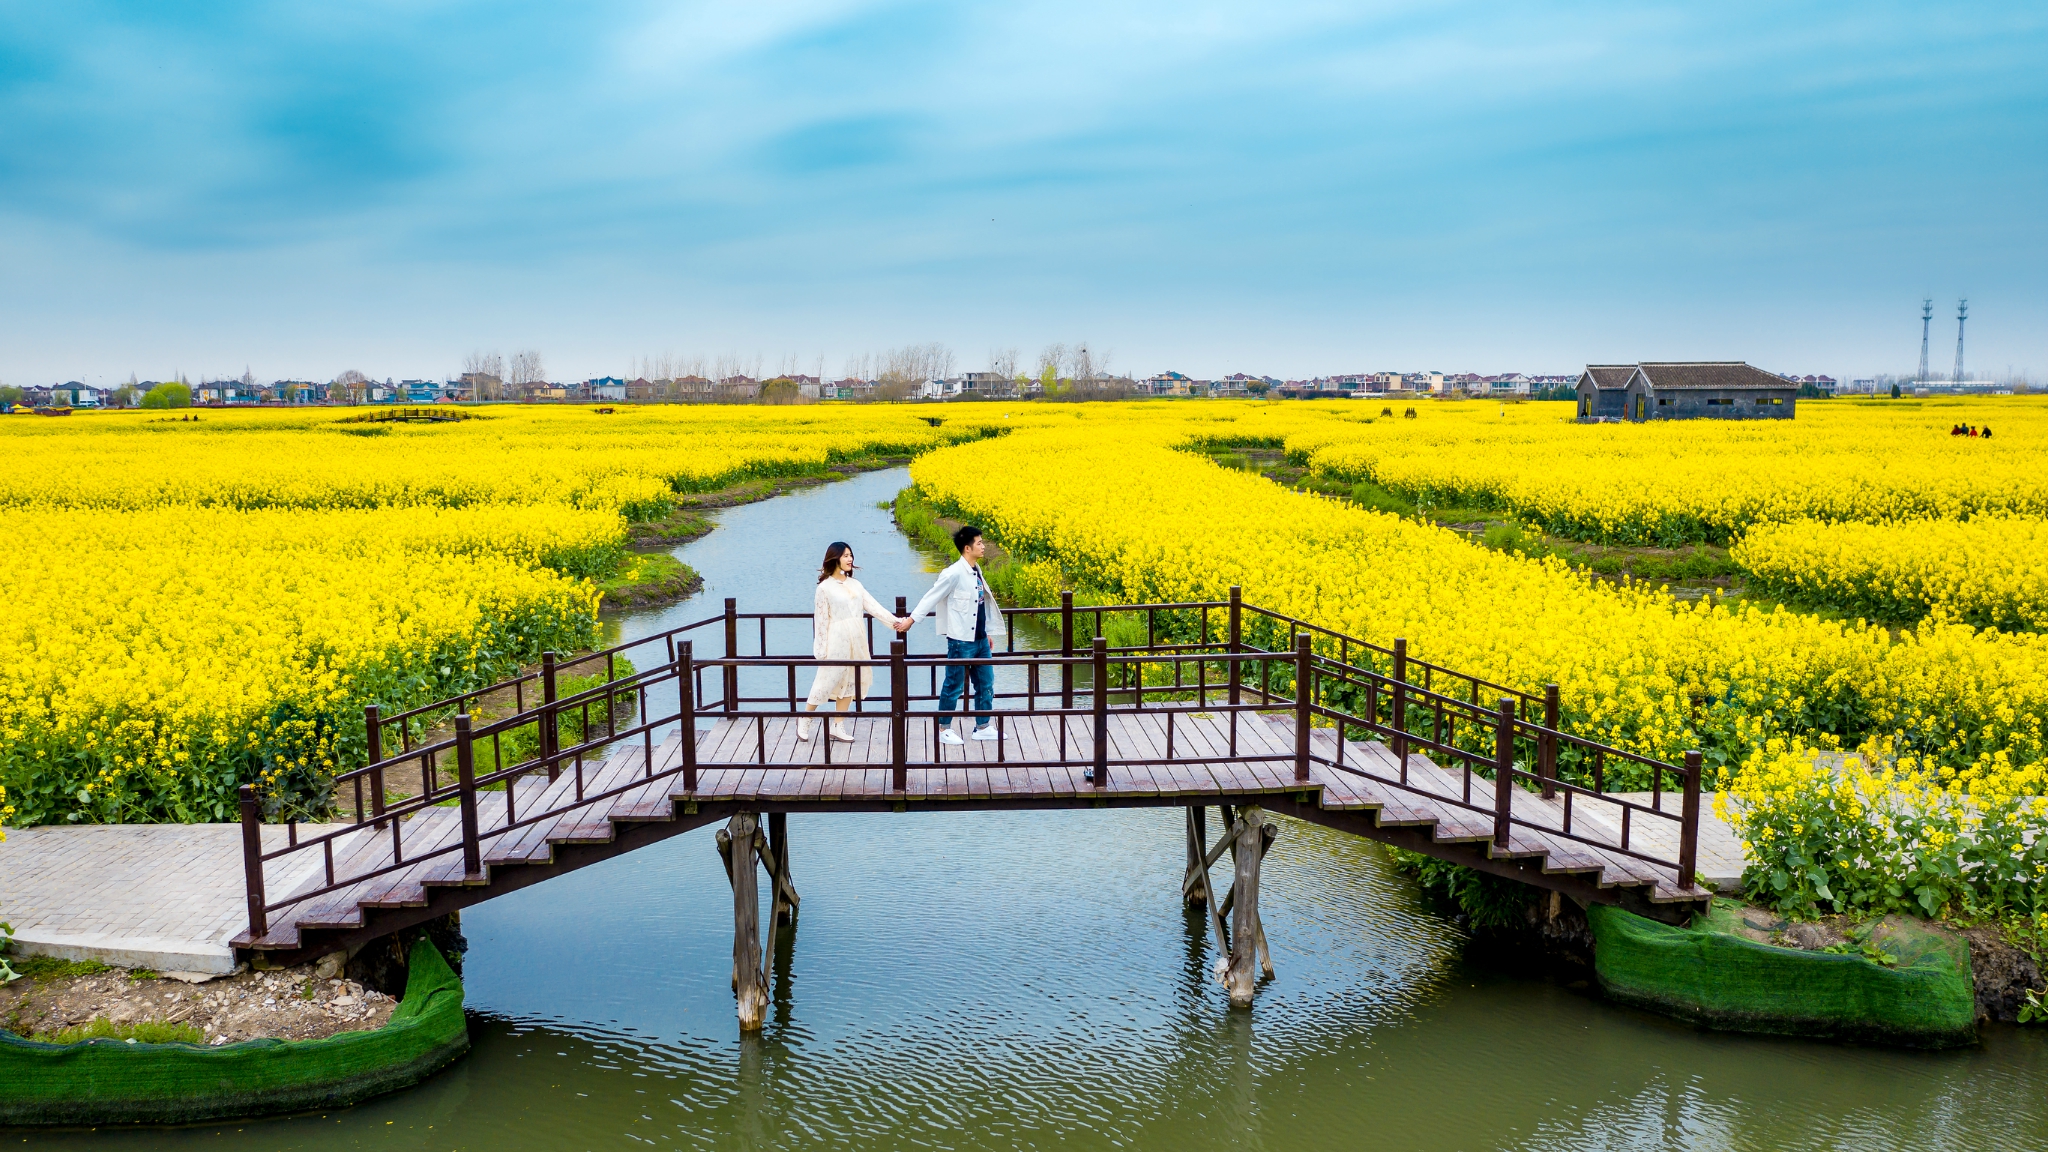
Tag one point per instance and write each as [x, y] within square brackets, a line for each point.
[1192, 893]
[1236, 642]
[1240, 976]
[1209, 859]
[1100, 774]
[899, 716]
[1503, 772]
[550, 723]
[1196, 889]
[252, 860]
[1689, 823]
[1546, 758]
[778, 867]
[686, 713]
[767, 857]
[373, 739]
[1304, 697]
[749, 982]
[465, 793]
[732, 652]
[1400, 718]
[1267, 834]
[1066, 651]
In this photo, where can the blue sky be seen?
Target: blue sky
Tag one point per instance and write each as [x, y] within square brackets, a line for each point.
[1212, 187]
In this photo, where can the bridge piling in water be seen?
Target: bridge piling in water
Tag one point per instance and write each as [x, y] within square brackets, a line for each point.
[1239, 977]
[783, 891]
[749, 982]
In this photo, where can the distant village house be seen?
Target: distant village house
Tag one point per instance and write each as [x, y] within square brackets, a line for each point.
[1687, 390]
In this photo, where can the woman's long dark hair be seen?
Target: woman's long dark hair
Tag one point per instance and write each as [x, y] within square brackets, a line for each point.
[833, 552]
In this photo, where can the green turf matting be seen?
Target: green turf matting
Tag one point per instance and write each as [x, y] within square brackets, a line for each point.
[1710, 974]
[115, 1082]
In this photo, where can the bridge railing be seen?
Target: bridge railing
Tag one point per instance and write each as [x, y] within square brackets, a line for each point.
[1230, 624]
[1500, 753]
[1194, 657]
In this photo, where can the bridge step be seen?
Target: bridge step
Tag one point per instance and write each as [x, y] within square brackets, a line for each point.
[1438, 798]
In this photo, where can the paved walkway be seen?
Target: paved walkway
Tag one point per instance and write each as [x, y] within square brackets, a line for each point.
[162, 896]
[1720, 849]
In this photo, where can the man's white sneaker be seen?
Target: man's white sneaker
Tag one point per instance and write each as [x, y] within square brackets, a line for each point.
[951, 737]
[988, 733]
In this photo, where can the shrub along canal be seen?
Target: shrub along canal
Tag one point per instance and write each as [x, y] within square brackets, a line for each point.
[1000, 980]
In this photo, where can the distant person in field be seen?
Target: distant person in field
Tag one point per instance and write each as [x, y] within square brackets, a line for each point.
[968, 618]
[1987, 431]
[838, 634]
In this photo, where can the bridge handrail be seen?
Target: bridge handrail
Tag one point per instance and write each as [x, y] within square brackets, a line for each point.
[1314, 675]
[1547, 738]
[1230, 638]
[1507, 728]
[1451, 704]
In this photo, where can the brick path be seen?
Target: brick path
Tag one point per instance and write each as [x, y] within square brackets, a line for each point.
[162, 896]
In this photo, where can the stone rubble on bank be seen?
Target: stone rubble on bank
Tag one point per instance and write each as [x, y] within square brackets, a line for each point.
[307, 1002]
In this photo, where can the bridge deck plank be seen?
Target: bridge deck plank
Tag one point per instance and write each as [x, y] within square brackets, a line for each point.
[423, 832]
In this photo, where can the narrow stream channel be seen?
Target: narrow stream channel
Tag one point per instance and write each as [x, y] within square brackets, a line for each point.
[1006, 980]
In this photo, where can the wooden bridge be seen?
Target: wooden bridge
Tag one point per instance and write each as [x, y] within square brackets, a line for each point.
[1217, 704]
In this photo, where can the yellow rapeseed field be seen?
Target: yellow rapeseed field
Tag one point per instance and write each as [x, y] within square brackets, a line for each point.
[631, 461]
[1991, 571]
[1683, 481]
[199, 604]
[1105, 496]
[1877, 832]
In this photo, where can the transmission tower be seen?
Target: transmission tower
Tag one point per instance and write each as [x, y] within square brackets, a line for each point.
[1926, 324]
[1962, 314]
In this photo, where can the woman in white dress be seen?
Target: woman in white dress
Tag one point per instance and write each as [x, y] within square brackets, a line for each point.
[838, 634]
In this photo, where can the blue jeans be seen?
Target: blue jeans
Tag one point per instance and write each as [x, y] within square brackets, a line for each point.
[957, 676]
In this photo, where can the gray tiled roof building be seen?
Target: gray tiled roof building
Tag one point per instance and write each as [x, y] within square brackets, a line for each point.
[1684, 390]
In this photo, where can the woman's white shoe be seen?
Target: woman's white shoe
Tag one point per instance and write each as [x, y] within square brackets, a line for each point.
[803, 729]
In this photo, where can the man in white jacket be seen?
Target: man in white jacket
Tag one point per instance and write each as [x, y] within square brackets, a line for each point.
[968, 618]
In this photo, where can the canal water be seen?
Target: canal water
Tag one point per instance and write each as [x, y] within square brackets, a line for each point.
[1028, 980]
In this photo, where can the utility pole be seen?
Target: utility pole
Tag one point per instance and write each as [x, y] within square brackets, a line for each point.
[1926, 323]
[1962, 314]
